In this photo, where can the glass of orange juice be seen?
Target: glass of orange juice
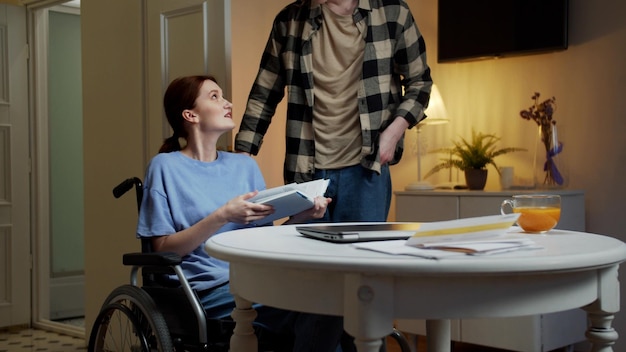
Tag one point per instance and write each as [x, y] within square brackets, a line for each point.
[539, 212]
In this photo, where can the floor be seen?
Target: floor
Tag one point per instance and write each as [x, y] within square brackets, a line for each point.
[392, 346]
[31, 340]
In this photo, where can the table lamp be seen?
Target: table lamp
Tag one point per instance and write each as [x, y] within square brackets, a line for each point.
[437, 115]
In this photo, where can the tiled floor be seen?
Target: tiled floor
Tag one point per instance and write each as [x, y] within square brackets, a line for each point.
[392, 346]
[31, 340]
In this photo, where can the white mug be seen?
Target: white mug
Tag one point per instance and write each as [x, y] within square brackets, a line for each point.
[506, 177]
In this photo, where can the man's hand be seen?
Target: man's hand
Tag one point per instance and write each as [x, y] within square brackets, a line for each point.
[389, 139]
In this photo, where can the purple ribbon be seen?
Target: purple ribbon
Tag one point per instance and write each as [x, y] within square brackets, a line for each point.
[556, 175]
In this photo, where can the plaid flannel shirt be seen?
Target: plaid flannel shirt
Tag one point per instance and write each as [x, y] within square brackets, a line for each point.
[394, 57]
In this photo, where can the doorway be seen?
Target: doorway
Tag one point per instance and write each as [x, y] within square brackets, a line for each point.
[178, 20]
[57, 178]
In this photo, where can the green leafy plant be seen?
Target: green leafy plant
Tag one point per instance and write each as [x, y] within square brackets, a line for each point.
[476, 153]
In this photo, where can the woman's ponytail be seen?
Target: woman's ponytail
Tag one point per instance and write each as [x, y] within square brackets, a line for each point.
[170, 144]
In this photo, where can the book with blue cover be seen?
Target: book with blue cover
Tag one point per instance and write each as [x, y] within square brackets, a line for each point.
[290, 199]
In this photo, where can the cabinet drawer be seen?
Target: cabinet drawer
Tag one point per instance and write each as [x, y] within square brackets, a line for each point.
[479, 206]
[410, 208]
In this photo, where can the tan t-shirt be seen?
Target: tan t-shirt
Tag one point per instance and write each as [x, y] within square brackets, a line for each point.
[338, 51]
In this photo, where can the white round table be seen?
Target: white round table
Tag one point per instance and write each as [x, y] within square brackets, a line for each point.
[277, 266]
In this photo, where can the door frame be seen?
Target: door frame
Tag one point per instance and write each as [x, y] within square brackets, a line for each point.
[37, 37]
[15, 224]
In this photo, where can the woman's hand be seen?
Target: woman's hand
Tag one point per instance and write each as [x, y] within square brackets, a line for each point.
[240, 211]
[317, 211]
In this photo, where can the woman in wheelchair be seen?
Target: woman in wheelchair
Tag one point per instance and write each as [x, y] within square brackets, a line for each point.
[194, 191]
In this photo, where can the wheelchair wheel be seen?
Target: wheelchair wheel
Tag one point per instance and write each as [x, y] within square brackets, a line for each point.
[129, 321]
[401, 340]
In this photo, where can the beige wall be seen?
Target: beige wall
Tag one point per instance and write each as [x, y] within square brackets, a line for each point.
[588, 81]
[252, 21]
[113, 141]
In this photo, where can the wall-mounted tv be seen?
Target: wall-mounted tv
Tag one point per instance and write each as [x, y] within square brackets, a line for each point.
[480, 29]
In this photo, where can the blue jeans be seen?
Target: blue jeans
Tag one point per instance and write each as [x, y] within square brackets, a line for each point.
[358, 194]
[310, 332]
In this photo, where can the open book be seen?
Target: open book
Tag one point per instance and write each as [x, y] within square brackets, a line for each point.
[290, 199]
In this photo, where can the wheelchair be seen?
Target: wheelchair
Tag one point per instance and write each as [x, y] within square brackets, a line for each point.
[161, 317]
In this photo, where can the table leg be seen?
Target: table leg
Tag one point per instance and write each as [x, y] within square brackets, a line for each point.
[600, 313]
[368, 345]
[244, 338]
[438, 335]
[368, 310]
[600, 332]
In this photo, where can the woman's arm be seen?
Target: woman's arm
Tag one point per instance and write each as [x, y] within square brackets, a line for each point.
[237, 210]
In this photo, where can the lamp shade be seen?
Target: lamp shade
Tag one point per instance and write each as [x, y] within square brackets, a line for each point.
[436, 115]
[436, 111]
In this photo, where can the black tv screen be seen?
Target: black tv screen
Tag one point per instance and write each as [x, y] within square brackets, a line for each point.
[480, 29]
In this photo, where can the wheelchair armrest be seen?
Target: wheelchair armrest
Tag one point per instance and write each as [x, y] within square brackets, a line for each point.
[152, 259]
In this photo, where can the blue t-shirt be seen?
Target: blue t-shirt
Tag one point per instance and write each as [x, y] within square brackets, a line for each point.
[180, 191]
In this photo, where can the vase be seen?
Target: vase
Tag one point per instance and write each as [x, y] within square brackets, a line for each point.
[476, 179]
[550, 170]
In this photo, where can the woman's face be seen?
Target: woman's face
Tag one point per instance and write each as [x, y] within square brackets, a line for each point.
[214, 112]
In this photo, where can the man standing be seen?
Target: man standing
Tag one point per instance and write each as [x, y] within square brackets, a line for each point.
[356, 78]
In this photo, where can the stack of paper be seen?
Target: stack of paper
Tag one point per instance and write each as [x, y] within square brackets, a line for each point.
[481, 227]
[481, 247]
[485, 235]
[451, 249]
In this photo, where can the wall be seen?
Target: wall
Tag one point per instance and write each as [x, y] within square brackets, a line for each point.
[113, 142]
[252, 21]
[487, 95]
[588, 81]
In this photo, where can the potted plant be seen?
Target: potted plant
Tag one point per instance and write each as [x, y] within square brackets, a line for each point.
[472, 157]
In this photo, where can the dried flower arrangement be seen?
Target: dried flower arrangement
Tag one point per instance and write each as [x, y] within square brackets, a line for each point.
[541, 113]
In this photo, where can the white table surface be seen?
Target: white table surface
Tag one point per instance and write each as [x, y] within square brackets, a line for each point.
[277, 266]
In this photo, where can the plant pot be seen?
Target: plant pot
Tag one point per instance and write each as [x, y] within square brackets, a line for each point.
[476, 178]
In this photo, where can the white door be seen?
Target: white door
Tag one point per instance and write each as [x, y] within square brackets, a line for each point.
[184, 37]
[15, 261]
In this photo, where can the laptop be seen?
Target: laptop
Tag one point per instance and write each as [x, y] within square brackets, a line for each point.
[339, 233]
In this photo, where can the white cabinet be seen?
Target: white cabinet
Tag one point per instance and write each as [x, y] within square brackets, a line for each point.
[544, 332]
[448, 205]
